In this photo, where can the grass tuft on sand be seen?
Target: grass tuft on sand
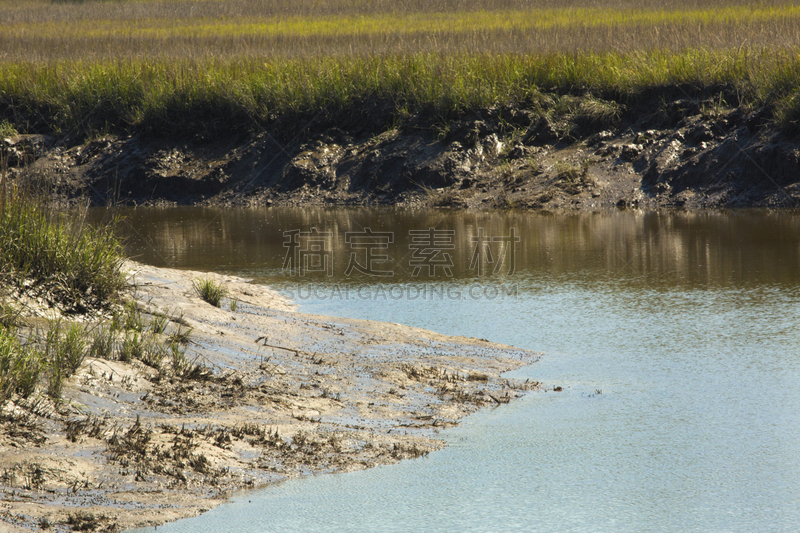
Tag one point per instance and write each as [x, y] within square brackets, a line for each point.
[43, 249]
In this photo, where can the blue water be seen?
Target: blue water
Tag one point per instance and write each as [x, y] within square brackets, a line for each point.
[680, 410]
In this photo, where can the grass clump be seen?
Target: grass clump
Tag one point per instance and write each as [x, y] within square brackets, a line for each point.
[20, 366]
[65, 348]
[7, 129]
[9, 316]
[80, 266]
[209, 290]
[102, 346]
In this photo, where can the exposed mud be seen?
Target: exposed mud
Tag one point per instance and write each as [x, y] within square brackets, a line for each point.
[274, 394]
[683, 153]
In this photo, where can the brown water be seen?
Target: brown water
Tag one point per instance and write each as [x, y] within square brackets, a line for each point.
[675, 337]
[666, 250]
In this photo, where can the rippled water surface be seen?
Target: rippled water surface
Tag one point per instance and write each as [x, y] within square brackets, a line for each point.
[674, 336]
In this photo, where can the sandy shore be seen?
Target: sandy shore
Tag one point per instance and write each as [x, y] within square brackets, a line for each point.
[284, 394]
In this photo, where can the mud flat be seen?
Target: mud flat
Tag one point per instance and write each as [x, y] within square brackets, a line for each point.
[272, 394]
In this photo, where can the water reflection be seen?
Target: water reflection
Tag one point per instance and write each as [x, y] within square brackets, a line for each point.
[659, 249]
[686, 323]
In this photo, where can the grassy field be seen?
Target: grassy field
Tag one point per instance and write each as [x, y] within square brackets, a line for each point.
[37, 31]
[160, 66]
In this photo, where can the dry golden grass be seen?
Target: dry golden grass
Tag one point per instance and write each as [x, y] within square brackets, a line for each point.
[34, 30]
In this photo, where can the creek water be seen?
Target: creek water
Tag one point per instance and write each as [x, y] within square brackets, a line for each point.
[674, 336]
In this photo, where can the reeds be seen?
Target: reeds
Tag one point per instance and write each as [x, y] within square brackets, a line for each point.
[79, 265]
[20, 366]
[184, 97]
[37, 31]
[176, 67]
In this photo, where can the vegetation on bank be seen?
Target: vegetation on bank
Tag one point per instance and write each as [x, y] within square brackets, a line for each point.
[184, 97]
[211, 291]
[79, 265]
[47, 255]
[173, 67]
[37, 30]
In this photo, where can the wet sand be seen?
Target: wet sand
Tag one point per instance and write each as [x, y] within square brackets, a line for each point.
[278, 394]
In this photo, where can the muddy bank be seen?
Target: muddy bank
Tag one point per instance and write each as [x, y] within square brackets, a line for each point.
[275, 394]
[589, 155]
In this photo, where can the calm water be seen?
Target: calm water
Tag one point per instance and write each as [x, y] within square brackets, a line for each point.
[675, 337]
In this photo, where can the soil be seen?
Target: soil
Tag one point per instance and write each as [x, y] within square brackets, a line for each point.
[272, 394]
[684, 153]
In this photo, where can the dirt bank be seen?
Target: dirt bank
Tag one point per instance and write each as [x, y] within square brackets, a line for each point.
[276, 394]
[592, 154]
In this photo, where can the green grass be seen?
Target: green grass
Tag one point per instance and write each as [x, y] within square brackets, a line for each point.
[7, 129]
[210, 291]
[42, 250]
[184, 97]
[57, 353]
[78, 265]
[20, 366]
[214, 67]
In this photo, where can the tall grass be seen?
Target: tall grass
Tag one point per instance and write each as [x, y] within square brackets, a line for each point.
[173, 66]
[20, 366]
[615, 27]
[78, 264]
[169, 97]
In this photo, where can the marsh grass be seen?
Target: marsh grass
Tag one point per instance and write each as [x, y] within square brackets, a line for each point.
[38, 31]
[133, 319]
[20, 366]
[209, 290]
[245, 95]
[180, 336]
[158, 324]
[65, 347]
[73, 347]
[132, 347]
[179, 67]
[57, 352]
[177, 358]
[58, 254]
[78, 264]
[44, 250]
[10, 316]
[7, 129]
[102, 345]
